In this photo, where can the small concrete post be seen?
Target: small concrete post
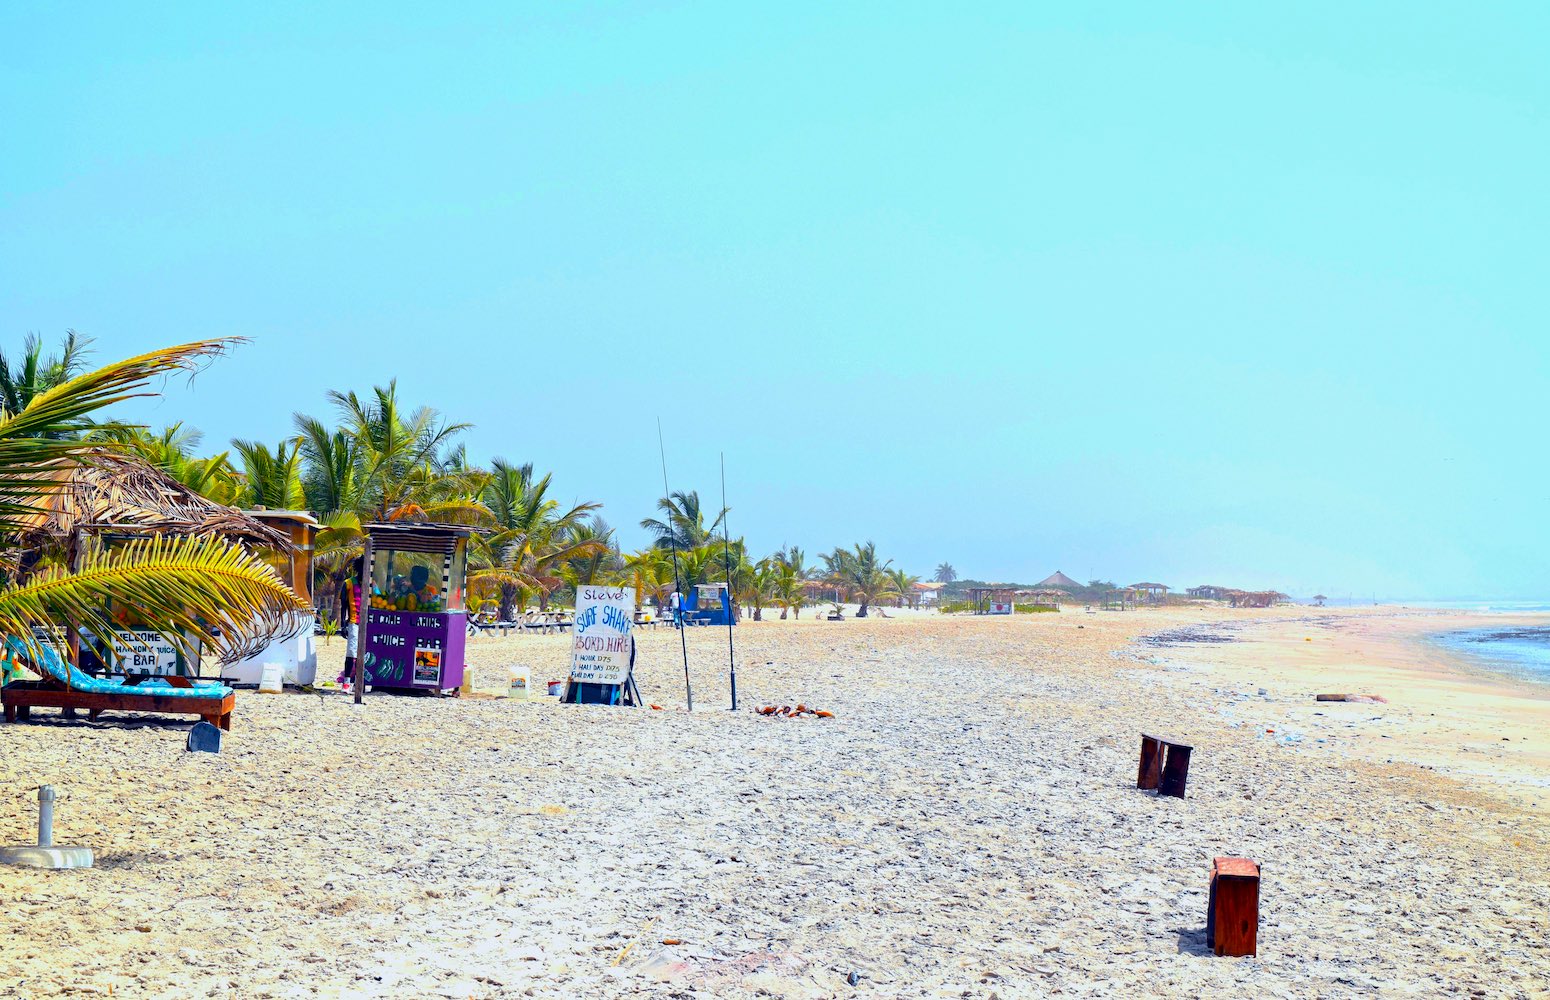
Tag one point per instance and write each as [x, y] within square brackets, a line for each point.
[45, 815]
[44, 854]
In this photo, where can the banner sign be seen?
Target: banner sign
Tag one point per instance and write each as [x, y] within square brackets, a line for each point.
[143, 652]
[408, 648]
[600, 647]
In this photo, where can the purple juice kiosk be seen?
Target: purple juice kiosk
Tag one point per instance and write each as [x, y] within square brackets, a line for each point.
[414, 623]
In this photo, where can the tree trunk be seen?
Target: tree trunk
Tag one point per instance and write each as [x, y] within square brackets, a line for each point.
[783, 610]
[862, 612]
[508, 601]
[758, 612]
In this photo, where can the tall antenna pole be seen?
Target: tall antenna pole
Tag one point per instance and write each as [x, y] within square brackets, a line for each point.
[726, 549]
[672, 537]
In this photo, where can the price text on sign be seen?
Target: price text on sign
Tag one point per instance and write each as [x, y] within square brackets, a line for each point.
[600, 643]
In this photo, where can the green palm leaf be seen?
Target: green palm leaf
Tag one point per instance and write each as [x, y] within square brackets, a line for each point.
[196, 591]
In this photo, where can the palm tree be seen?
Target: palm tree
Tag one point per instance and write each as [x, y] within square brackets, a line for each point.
[945, 573]
[600, 564]
[534, 537]
[401, 459]
[857, 572]
[753, 583]
[172, 451]
[650, 572]
[704, 564]
[791, 575]
[272, 479]
[329, 463]
[190, 589]
[684, 528]
[903, 586]
[382, 465]
[31, 375]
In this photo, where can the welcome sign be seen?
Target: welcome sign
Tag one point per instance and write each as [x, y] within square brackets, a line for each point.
[143, 651]
[600, 644]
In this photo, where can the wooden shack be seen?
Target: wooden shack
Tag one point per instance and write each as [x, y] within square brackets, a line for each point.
[1149, 593]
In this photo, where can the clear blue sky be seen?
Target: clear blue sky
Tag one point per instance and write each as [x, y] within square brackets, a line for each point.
[1236, 293]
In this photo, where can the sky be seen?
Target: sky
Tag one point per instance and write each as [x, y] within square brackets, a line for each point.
[1242, 294]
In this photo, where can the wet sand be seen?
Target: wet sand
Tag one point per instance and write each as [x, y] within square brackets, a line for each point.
[966, 825]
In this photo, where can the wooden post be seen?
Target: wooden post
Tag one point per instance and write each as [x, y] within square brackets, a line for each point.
[1175, 771]
[72, 634]
[1232, 912]
[363, 605]
[1151, 762]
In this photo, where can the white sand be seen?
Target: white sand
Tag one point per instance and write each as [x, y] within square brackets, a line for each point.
[967, 825]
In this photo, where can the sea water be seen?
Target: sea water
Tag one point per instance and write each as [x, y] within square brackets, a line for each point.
[1521, 650]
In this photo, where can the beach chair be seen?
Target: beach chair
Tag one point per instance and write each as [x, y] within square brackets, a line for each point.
[66, 688]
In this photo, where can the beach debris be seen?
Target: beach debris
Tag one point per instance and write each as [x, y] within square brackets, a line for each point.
[204, 738]
[853, 978]
[1232, 909]
[1164, 765]
[1364, 698]
[626, 949]
[787, 712]
[672, 941]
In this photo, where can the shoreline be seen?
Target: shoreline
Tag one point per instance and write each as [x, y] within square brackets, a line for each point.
[1442, 709]
[1529, 681]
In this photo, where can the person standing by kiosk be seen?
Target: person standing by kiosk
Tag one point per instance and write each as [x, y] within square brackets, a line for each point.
[350, 617]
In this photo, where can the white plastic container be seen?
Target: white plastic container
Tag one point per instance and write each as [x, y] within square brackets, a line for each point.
[272, 679]
[519, 683]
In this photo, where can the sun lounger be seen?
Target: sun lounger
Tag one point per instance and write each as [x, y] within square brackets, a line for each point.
[65, 687]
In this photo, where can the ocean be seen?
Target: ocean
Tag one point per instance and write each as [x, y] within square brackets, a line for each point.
[1521, 650]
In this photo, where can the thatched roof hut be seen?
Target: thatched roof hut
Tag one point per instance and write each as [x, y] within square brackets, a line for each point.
[100, 491]
[1059, 580]
[104, 493]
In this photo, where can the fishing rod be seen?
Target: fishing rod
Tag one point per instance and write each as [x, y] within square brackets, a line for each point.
[672, 538]
[726, 548]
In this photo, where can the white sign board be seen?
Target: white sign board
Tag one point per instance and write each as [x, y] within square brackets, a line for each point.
[600, 645]
[140, 651]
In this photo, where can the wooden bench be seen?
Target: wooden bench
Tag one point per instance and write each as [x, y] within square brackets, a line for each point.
[1232, 913]
[21, 697]
[1164, 765]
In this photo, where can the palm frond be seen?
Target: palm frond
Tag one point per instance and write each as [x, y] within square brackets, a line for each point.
[200, 591]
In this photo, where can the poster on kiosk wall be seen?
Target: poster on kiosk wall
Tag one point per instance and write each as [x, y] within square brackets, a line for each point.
[600, 647]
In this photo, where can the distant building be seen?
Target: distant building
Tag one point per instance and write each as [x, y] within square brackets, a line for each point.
[1149, 593]
[926, 594]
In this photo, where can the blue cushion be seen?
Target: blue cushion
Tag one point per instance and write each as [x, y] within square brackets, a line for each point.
[67, 673]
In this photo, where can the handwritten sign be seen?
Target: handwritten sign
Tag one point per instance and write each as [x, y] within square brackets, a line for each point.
[600, 645]
[142, 651]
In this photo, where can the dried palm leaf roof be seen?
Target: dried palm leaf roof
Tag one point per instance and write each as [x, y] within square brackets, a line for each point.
[100, 490]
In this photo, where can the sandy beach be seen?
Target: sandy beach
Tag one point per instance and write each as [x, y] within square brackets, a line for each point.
[965, 826]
